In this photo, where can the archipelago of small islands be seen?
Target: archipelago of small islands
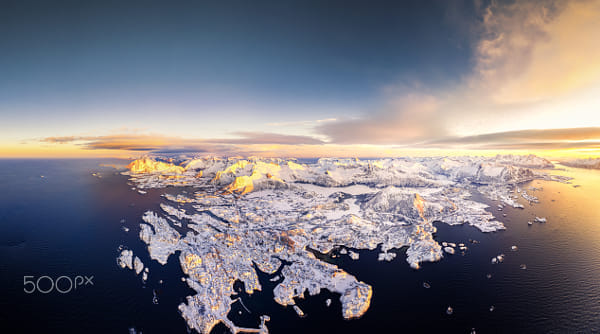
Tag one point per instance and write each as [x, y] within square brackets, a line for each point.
[234, 216]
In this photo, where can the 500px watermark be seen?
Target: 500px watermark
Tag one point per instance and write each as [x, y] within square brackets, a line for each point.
[62, 284]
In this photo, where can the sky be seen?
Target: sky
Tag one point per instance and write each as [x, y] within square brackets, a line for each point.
[299, 78]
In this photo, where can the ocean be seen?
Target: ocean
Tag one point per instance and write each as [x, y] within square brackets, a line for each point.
[59, 220]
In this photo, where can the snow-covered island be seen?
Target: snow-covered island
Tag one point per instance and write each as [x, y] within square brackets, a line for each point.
[274, 215]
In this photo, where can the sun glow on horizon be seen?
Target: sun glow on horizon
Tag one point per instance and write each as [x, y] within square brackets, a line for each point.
[68, 150]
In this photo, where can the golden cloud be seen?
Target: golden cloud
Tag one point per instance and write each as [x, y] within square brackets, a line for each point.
[538, 50]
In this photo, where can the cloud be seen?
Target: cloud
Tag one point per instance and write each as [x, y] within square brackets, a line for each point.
[165, 144]
[535, 65]
[543, 134]
[532, 62]
[536, 50]
[302, 123]
[250, 138]
[61, 140]
[113, 142]
[410, 117]
[180, 150]
[542, 146]
[525, 139]
[262, 144]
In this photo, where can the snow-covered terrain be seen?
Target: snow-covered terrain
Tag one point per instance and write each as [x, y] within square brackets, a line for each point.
[275, 214]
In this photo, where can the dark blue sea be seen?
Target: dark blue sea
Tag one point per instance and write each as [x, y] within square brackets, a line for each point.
[57, 219]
